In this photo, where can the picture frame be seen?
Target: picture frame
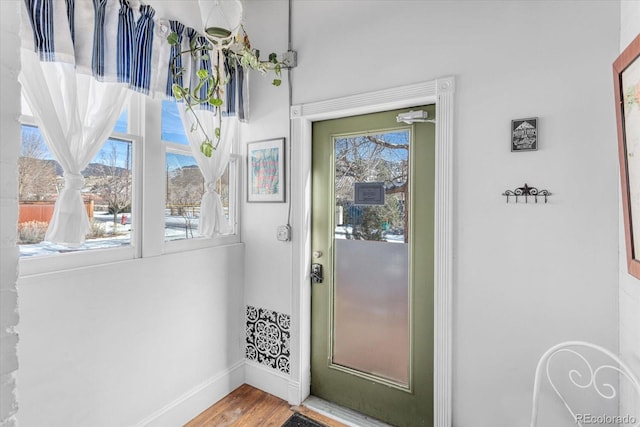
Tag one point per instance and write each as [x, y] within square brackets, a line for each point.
[266, 171]
[626, 79]
[524, 134]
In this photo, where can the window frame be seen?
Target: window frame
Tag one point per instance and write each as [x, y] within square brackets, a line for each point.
[72, 260]
[144, 116]
[200, 242]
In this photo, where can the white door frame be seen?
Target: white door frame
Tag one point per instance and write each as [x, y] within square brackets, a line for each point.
[441, 93]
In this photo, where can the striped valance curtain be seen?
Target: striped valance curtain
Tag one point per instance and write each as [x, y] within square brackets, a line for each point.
[80, 61]
[123, 41]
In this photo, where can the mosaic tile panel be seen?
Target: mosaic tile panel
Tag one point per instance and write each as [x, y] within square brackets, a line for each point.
[268, 336]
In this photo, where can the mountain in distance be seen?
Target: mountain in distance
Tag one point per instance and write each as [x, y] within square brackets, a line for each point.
[93, 169]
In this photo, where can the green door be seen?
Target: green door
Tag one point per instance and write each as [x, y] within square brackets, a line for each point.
[372, 233]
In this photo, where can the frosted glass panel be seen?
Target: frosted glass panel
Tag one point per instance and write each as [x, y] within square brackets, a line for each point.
[371, 283]
[371, 320]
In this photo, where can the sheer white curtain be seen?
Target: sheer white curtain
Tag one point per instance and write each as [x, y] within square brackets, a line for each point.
[212, 219]
[85, 56]
[79, 60]
[75, 114]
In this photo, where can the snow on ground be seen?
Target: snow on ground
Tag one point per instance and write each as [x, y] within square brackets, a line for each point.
[174, 230]
[342, 230]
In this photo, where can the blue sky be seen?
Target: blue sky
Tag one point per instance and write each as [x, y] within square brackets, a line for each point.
[400, 137]
[172, 131]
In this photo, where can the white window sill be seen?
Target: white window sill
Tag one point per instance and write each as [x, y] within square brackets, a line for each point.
[30, 266]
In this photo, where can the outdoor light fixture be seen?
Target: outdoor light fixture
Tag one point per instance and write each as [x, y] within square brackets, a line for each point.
[221, 20]
[413, 117]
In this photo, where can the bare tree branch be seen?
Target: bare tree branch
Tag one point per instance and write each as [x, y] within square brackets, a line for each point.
[385, 144]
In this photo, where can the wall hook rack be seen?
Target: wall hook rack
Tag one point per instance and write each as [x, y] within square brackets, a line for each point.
[526, 192]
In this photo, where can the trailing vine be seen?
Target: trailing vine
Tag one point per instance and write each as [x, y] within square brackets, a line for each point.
[239, 52]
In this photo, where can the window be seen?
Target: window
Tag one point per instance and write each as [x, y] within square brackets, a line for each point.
[185, 185]
[116, 187]
[184, 188]
[107, 194]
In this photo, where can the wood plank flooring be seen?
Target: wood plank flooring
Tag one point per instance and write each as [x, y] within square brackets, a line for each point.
[247, 406]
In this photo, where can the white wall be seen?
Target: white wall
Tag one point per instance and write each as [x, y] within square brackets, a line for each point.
[269, 262]
[526, 276]
[629, 286]
[154, 340]
[269, 268]
[9, 131]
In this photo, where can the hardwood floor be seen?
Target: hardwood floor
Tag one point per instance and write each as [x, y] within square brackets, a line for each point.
[247, 406]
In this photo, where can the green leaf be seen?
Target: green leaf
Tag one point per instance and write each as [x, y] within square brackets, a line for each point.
[207, 148]
[178, 91]
[216, 102]
[273, 58]
[277, 82]
[202, 74]
[172, 39]
[217, 133]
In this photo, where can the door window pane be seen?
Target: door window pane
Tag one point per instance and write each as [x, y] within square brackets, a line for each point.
[382, 159]
[371, 283]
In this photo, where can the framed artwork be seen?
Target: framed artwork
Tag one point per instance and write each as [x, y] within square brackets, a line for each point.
[524, 134]
[626, 80]
[265, 171]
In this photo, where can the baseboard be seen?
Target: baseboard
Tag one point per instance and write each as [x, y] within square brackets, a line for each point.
[196, 400]
[295, 393]
[267, 379]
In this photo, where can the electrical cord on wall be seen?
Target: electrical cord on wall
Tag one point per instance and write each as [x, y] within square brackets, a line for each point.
[289, 145]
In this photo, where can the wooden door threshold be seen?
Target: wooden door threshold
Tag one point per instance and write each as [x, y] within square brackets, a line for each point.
[344, 415]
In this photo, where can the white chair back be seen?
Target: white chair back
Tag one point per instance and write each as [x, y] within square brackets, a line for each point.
[586, 377]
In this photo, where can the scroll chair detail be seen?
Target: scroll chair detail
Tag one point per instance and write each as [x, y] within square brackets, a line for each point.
[585, 377]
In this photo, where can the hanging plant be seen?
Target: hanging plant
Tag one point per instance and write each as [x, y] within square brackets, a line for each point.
[241, 54]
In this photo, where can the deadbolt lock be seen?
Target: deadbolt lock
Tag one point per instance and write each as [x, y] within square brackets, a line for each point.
[316, 273]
